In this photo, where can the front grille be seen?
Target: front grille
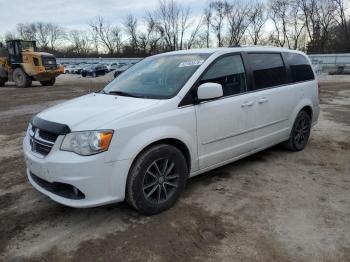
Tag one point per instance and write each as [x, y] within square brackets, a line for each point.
[49, 62]
[41, 141]
[48, 136]
[60, 189]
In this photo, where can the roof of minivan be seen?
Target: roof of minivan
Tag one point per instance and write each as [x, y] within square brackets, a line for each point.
[232, 49]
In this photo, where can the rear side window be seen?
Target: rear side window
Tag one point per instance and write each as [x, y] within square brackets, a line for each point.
[229, 72]
[300, 67]
[268, 70]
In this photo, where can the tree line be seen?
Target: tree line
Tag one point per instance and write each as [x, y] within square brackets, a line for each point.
[313, 26]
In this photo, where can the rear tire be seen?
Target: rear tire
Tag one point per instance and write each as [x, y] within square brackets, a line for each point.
[50, 82]
[21, 79]
[300, 133]
[156, 179]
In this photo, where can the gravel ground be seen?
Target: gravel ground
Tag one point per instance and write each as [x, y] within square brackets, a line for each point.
[272, 206]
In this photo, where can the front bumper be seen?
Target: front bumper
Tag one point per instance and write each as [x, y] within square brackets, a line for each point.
[100, 181]
[40, 73]
[47, 74]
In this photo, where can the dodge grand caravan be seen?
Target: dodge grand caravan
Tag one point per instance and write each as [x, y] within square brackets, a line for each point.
[170, 117]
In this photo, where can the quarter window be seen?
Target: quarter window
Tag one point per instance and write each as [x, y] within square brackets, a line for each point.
[229, 72]
[300, 67]
[268, 70]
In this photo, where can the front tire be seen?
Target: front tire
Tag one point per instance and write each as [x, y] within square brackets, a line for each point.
[21, 78]
[300, 132]
[156, 180]
[50, 82]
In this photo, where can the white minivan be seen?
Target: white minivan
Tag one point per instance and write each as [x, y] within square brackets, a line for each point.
[170, 117]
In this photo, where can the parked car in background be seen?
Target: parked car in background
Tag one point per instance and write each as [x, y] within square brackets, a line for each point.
[70, 69]
[114, 66]
[94, 70]
[80, 67]
[108, 65]
[121, 69]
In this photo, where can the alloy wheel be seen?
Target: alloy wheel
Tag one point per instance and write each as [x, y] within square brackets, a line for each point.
[301, 131]
[160, 181]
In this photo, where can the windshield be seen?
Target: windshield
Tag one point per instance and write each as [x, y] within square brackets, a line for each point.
[27, 46]
[157, 77]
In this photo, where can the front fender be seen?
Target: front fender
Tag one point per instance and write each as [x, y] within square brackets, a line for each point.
[149, 136]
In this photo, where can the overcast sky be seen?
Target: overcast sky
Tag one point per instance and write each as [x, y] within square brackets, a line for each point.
[77, 13]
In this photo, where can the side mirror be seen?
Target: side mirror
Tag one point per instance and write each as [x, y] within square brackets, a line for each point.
[208, 91]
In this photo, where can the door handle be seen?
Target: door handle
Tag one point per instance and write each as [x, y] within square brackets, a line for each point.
[263, 100]
[249, 103]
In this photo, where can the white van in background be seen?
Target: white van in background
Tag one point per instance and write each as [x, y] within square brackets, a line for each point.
[170, 117]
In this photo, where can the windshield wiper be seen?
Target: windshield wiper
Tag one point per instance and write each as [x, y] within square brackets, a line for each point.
[122, 93]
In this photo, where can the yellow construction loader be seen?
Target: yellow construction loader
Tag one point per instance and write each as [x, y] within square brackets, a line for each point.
[21, 63]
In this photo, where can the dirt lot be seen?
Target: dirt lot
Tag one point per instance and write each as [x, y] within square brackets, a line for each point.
[273, 206]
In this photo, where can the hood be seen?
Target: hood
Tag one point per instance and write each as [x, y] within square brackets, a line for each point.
[94, 110]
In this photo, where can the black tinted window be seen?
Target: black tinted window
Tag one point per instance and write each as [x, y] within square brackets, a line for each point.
[268, 70]
[229, 72]
[300, 67]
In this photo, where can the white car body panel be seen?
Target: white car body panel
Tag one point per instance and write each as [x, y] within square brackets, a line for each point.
[220, 138]
[215, 132]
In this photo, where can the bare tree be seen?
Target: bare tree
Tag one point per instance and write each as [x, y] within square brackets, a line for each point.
[278, 15]
[149, 39]
[168, 15]
[2, 38]
[80, 42]
[117, 39]
[327, 12]
[10, 36]
[42, 36]
[258, 19]
[130, 24]
[239, 18]
[297, 24]
[220, 9]
[109, 36]
[27, 31]
[47, 35]
[341, 18]
[56, 34]
[207, 23]
[193, 38]
[310, 10]
[172, 23]
[184, 25]
[95, 40]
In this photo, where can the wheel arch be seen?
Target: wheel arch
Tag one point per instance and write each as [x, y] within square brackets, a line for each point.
[304, 105]
[177, 143]
[308, 110]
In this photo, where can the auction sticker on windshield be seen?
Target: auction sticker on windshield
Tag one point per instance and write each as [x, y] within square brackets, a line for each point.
[191, 63]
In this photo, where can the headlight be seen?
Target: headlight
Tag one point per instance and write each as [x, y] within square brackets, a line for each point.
[88, 142]
[30, 129]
